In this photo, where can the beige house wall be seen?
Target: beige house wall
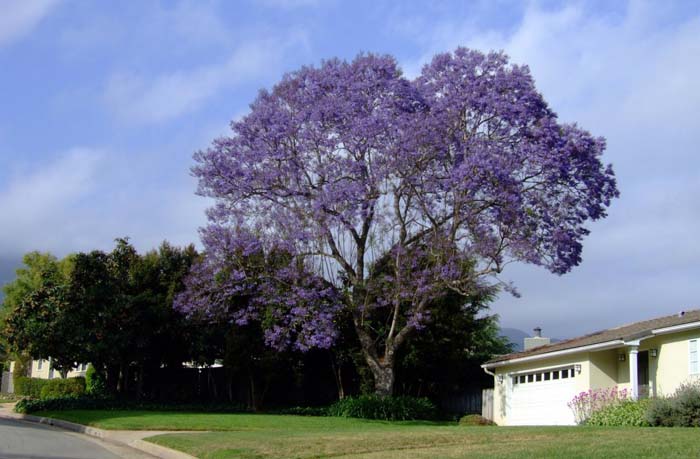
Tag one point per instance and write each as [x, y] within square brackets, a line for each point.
[604, 371]
[672, 364]
[45, 371]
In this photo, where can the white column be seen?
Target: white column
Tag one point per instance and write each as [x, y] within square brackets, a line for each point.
[634, 381]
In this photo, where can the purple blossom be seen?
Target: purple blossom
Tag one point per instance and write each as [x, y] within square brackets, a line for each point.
[392, 191]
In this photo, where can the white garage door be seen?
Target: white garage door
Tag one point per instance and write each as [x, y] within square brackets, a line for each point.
[541, 398]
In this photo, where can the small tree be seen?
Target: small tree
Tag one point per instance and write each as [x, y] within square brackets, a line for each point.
[44, 326]
[443, 180]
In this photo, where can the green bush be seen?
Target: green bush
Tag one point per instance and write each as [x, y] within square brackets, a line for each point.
[29, 387]
[661, 413]
[475, 420]
[385, 408]
[682, 409]
[70, 387]
[95, 403]
[686, 403]
[95, 382]
[624, 413]
[304, 411]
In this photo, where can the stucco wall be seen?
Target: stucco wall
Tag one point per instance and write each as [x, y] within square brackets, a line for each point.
[604, 370]
[45, 372]
[671, 365]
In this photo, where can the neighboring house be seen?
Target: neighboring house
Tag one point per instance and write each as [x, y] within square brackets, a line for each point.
[42, 369]
[534, 387]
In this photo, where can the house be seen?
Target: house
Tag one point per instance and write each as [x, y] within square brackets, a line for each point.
[39, 369]
[534, 387]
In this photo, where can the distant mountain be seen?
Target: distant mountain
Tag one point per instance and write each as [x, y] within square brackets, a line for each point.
[515, 336]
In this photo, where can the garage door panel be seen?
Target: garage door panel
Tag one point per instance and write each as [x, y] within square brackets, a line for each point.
[540, 403]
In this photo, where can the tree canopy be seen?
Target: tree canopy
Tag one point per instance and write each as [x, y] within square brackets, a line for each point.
[441, 180]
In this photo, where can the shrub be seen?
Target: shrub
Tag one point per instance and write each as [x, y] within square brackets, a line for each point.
[587, 403]
[95, 382]
[624, 413]
[101, 403]
[475, 420]
[70, 387]
[661, 413]
[385, 408]
[686, 403]
[682, 409]
[29, 387]
[304, 411]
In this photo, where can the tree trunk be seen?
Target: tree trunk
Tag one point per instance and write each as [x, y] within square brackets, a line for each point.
[383, 380]
[337, 374]
[382, 367]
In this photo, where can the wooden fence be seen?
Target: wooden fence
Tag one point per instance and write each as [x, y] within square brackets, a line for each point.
[487, 404]
[6, 386]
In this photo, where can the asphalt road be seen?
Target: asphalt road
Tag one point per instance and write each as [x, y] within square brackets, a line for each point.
[23, 440]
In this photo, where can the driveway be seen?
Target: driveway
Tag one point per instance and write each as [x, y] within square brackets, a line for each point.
[24, 440]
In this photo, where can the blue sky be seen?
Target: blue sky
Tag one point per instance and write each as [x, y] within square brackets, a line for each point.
[103, 103]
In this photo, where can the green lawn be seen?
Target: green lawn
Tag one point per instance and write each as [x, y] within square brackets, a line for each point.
[269, 436]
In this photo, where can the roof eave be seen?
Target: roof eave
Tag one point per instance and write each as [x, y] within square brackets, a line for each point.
[546, 355]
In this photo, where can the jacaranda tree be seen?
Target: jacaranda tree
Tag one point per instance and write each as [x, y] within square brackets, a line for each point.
[393, 191]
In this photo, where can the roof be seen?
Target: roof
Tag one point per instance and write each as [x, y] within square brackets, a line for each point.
[628, 332]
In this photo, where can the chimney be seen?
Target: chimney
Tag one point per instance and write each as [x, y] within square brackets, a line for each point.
[536, 341]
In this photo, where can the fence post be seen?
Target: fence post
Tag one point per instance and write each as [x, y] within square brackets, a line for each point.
[487, 404]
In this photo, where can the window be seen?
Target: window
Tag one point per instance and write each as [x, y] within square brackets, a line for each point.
[83, 367]
[543, 376]
[39, 364]
[693, 365]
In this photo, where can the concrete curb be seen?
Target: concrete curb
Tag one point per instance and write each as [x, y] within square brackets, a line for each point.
[104, 435]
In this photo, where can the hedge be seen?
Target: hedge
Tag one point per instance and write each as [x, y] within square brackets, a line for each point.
[29, 387]
[384, 408]
[83, 402]
[71, 387]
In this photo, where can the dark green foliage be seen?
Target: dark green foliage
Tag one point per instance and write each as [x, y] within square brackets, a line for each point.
[630, 413]
[682, 409]
[95, 382]
[384, 408]
[20, 369]
[29, 387]
[303, 411]
[92, 403]
[55, 388]
[442, 361]
[475, 420]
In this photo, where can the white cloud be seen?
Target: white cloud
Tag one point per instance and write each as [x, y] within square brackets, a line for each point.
[19, 17]
[630, 78]
[140, 99]
[37, 206]
[86, 197]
